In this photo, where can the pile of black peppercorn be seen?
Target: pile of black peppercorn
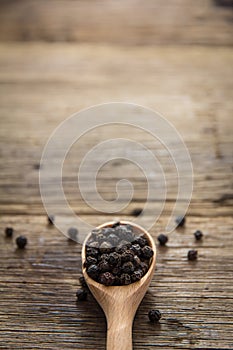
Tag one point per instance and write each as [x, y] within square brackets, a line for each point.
[117, 255]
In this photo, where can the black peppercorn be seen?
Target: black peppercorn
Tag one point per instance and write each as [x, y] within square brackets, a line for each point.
[116, 256]
[81, 295]
[162, 239]
[180, 220]
[114, 259]
[51, 219]
[122, 246]
[154, 315]
[144, 267]
[94, 252]
[107, 279]
[198, 235]
[83, 283]
[93, 271]
[140, 240]
[136, 275]
[128, 255]
[136, 261]
[90, 260]
[192, 254]
[125, 279]
[21, 242]
[9, 232]
[72, 233]
[104, 266]
[128, 267]
[136, 211]
[147, 252]
[136, 249]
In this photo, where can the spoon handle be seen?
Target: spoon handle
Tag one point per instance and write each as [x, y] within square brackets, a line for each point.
[119, 333]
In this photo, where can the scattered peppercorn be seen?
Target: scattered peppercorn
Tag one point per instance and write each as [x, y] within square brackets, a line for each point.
[124, 262]
[81, 295]
[192, 254]
[180, 220]
[198, 235]
[154, 315]
[21, 242]
[51, 219]
[136, 211]
[72, 233]
[9, 232]
[83, 282]
[162, 238]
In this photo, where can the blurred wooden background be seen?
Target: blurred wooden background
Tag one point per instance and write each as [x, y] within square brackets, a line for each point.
[57, 57]
[131, 22]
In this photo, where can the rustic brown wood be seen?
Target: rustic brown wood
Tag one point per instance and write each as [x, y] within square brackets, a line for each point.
[41, 85]
[123, 22]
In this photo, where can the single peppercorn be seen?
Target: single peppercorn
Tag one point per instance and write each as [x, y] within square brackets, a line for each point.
[154, 315]
[81, 295]
[144, 267]
[128, 267]
[147, 252]
[180, 220]
[192, 254]
[83, 282]
[72, 233]
[162, 238]
[9, 232]
[21, 242]
[51, 219]
[107, 278]
[125, 279]
[93, 271]
[127, 255]
[104, 266]
[141, 240]
[114, 259]
[136, 275]
[136, 261]
[94, 252]
[136, 211]
[198, 235]
[103, 257]
[136, 249]
[90, 260]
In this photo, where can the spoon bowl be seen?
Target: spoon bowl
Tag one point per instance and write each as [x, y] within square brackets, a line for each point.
[120, 303]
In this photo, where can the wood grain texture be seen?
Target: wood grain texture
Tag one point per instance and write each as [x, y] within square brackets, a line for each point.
[126, 22]
[41, 85]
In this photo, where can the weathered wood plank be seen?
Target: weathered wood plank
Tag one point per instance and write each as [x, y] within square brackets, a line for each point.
[38, 291]
[41, 85]
[124, 22]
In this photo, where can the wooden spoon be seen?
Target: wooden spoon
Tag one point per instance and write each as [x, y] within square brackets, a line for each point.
[120, 303]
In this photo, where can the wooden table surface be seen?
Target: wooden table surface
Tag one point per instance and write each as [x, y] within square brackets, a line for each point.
[41, 84]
